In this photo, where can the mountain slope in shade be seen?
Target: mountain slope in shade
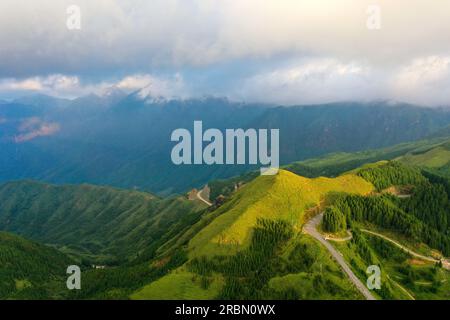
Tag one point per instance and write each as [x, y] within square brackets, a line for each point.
[30, 270]
[125, 142]
[99, 223]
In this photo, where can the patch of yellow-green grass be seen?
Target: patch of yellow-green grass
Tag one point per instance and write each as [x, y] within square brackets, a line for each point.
[22, 284]
[434, 158]
[179, 285]
[303, 284]
[283, 196]
[368, 166]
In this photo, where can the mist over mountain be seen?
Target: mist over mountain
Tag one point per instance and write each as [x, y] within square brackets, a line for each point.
[124, 140]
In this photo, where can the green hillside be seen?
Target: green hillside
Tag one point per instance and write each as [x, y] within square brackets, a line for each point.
[335, 164]
[101, 224]
[260, 226]
[436, 159]
[250, 245]
[30, 270]
[277, 265]
[283, 196]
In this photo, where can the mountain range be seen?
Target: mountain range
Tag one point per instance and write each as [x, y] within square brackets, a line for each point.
[124, 140]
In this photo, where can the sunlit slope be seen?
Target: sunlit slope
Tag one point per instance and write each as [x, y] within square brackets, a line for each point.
[283, 196]
[179, 285]
[434, 158]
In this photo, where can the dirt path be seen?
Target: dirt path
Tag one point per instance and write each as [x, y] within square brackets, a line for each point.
[347, 238]
[200, 197]
[445, 262]
[311, 229]
[402, 288]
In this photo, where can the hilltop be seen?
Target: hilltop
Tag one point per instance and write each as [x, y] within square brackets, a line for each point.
[284, 196]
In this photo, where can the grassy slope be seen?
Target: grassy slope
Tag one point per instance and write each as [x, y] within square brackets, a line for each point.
[334, 164]
[436, 159]
[179, 285]
[337, 163]
[323, 265]
[30, 269]
[287, 196]
[283, 196]
[101, 223]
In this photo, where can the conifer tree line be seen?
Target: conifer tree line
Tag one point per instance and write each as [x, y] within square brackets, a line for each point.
[334, 220]
[424, 215]
[383, 211]
[392, 173]
[247, 272]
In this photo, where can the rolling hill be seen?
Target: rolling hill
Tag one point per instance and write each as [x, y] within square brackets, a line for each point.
[95, 223]
[284, 196]
[229, 238]
[436, 159]
[248, 248]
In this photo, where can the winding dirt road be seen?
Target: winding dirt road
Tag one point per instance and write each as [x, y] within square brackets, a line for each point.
[200, 197]
[445, 262]
[311, 228]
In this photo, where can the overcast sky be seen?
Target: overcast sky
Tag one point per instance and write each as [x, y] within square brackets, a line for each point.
[276, 51]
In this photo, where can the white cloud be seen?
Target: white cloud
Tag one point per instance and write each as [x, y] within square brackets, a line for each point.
[57, 83]
[312, 81]
[163, 88]
[200, 32]
[71, 86]
[424, 81]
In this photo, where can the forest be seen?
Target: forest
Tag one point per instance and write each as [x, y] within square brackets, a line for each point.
[424, 215]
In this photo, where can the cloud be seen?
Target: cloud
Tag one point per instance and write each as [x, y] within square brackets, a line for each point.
[425, 80]
[53, 83]
[71, 86]
[32, 128]
[143, 34]
[302, 43]
[312, 81]
[164, 88]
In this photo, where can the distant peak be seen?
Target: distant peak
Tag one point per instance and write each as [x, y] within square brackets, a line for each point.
[112, 91]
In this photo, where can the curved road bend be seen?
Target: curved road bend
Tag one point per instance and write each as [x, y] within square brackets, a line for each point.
[200, 197]
[311, 228]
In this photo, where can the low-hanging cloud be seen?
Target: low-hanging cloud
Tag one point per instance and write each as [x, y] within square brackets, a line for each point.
[72, 86]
